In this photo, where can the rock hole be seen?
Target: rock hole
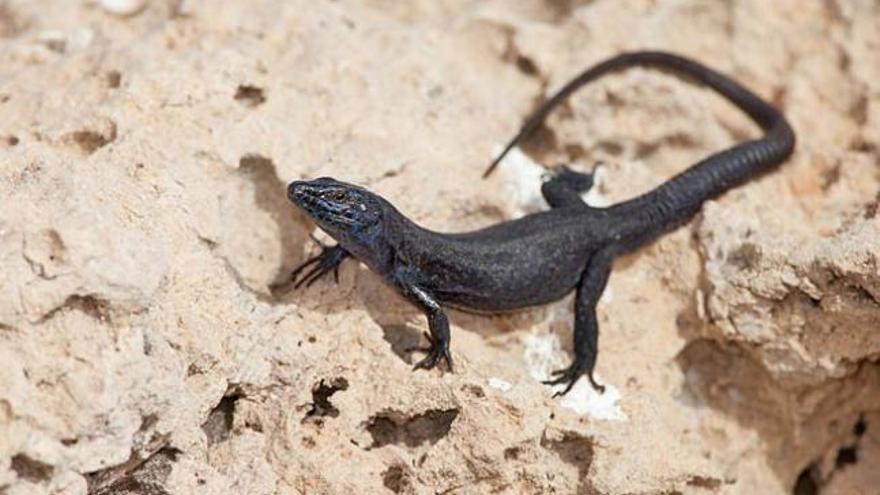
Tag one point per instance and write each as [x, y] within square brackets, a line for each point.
[148, 422]
[220, 420]
[321, 394]
[30, 469]
[54, 42]
[862, 295]
[860, 427]
[98, 309]
[148, 345]
[746, 257]
[644, 150]
[413, 431]
[611, 148]
[860, 110]
[540, 143]
[831, 177]
[250, 96]
[846, 456]
[872, 207]
[114, 79]
[573, 449]
[44, 252]
[512, 453]
[574, 152]
[862, 145]
[91, 140]
[88, 304]
[396, 478]
[209, 243]
[560, 10]
[807, 482]
[475, 390]
[11, 141]
[254, 424]
[526, 65]
[705, 482]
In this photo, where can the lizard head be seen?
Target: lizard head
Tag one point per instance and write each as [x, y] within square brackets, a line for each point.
[348, 213]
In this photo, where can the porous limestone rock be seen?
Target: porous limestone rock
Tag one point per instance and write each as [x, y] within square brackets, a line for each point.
[150, 342]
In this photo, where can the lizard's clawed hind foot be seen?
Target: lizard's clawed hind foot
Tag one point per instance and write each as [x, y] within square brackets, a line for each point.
[569, 376]
[577, 181]
[563, 186]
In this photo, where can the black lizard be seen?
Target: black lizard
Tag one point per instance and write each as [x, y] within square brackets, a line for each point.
[541, 257]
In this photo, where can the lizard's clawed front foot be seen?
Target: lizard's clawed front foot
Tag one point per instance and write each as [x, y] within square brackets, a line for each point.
[569, 376]
[436, 352]
[329, 260]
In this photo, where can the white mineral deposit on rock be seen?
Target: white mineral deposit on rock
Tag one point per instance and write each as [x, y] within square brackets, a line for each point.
[499, 384]
[522, 178]
[123, 7]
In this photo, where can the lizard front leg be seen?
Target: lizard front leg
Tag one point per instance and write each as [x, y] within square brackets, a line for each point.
[586, 327]
[438, 325]
[328, 260]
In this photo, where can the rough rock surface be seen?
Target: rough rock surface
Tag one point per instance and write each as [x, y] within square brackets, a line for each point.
[150, 343]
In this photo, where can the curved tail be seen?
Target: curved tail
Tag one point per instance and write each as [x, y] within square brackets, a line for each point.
[710, 176]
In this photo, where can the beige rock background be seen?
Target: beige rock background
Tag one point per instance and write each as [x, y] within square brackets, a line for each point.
[149, 343]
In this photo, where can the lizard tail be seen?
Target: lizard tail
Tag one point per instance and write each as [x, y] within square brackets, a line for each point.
[775, 147]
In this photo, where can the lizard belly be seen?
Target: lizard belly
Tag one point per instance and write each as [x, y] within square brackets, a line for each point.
[525, 262]
[494, 287]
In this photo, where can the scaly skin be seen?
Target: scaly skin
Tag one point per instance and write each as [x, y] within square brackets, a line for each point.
[541, 257]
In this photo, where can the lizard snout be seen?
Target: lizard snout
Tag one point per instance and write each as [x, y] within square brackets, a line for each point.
[297, 190]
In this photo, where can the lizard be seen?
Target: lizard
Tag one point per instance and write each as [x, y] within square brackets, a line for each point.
[540, 257]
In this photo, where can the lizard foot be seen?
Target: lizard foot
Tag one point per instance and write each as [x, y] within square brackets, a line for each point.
[577, 181]
[324, 263]
[435, 354]
[569, 376]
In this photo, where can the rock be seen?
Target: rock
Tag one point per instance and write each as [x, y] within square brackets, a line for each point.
[150, 341]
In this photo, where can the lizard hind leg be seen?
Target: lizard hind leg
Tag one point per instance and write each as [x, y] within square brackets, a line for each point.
[564, 187]
[586, 327]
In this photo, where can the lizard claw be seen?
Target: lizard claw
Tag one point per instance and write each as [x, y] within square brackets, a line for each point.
[579, 181]
[435, 354]
[569, 376]
[324, 263]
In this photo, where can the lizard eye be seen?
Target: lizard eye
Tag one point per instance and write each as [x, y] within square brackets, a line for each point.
[336, 195]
